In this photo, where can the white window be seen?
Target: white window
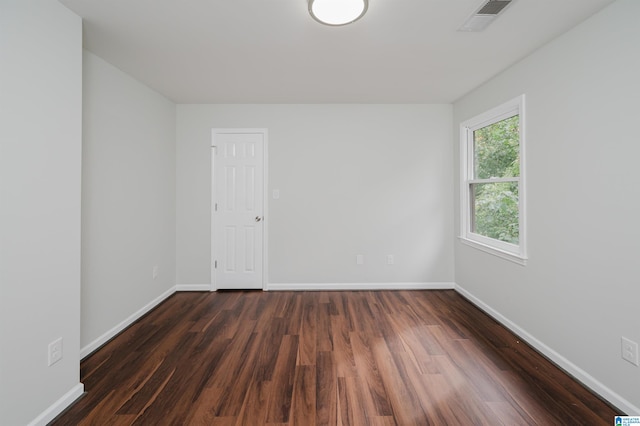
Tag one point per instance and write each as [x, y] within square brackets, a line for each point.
[492, 178]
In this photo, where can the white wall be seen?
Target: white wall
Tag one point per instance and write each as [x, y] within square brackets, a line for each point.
[579, 293]
[128, 199]
[353, 179]
[40, 154]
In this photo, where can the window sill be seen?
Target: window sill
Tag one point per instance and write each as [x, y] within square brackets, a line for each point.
[515, 258]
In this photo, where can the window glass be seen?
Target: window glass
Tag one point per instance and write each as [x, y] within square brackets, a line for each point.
[497, 149]
[495, 211]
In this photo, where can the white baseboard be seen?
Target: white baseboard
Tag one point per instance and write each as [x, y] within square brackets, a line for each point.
[193, 287]
[59, 406]
[124, 324]
[359, 286]
[579, 374]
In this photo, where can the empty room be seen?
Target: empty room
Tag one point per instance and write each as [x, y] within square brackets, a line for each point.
[261, 212]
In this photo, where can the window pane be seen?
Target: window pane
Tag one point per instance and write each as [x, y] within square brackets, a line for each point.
[497, 150]
[495, 210]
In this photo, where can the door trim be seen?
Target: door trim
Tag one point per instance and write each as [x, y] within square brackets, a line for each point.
[265, 200]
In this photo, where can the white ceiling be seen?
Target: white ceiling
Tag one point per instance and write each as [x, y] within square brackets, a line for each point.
[272, 51]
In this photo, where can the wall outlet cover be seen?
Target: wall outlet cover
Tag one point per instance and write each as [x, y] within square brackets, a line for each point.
[55, 351]
[630, 351]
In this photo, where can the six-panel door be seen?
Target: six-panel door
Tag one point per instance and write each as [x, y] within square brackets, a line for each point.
[238, 217]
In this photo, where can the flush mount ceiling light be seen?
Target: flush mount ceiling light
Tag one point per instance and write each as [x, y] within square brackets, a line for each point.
[337, 12]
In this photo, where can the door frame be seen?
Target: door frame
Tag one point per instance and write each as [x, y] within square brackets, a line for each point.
[265, 204]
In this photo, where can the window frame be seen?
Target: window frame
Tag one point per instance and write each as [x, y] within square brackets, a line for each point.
[515, 253]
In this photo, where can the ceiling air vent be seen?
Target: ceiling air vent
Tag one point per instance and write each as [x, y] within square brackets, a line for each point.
[493, 7]
[485, 15]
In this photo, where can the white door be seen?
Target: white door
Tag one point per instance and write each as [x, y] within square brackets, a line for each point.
[237, 231]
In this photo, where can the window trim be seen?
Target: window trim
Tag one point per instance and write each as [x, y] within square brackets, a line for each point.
[515, 253]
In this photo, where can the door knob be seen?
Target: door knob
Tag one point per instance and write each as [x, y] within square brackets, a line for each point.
[258, 218]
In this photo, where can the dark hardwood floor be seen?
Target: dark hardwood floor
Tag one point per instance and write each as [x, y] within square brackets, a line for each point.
[325, 358]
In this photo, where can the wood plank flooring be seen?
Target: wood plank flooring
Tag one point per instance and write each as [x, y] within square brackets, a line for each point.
[325, 358]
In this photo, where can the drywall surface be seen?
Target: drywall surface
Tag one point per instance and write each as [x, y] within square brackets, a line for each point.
[579, 292]
[40, 154]
[128, 197]
[373, 180]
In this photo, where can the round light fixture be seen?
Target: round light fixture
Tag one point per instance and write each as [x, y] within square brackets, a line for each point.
[337, 12]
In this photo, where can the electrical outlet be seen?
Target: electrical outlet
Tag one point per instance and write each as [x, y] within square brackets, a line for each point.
[390, 259]
[55, 351]
[155, 272]
[630, 351]
[359, 259]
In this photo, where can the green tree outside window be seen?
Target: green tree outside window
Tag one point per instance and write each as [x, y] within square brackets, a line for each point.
[495, 205]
